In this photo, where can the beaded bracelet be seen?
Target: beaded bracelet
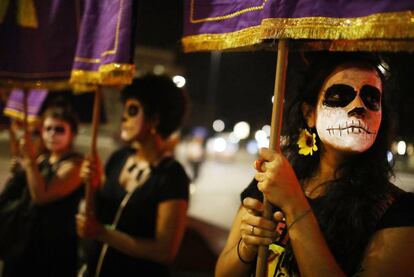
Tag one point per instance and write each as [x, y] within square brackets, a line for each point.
[298, 218]
[238, 254]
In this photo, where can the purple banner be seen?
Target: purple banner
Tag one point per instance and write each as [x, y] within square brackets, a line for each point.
[45, 43]
[105, 46]
[15, 107]
[40, 51]
[220, 24]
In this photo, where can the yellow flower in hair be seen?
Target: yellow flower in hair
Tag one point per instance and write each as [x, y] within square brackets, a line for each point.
[307, 143]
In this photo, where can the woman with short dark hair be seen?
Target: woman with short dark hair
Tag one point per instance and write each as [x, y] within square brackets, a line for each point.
[142, 204]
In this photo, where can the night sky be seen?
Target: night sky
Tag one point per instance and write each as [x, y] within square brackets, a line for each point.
[239, 86]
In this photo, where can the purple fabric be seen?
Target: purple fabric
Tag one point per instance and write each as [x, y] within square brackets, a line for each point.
[44, 53]
[106, 34]
[87, 28]
[35, 101]
[203, 9]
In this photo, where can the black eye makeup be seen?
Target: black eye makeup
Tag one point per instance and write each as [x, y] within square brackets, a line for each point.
[341, 95]
[56, 129]
[132, 110]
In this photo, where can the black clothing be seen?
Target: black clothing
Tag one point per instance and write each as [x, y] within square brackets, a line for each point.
[51, 249]
[167, 181]
[399, 213]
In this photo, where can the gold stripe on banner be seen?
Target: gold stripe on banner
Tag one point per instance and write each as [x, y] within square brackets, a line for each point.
[116, 42]
[223, 17]
[34, 75]
[50, 85]
[394, 28]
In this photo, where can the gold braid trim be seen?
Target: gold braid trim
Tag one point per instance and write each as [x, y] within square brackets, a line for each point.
[207, 42]
[383, 26]
[18, 115]
[393, 25]
[81, 80]
[108, 74]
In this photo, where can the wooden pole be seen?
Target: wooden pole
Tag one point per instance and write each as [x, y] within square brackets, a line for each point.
[14, 149]
[89, 189]
[25, 113]
[277, 112]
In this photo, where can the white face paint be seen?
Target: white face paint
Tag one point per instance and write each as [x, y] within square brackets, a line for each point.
[352, 127]
[133, 120]
[57, 135]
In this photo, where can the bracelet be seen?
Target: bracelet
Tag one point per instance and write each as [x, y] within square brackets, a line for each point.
[238, 254]
[298, 218]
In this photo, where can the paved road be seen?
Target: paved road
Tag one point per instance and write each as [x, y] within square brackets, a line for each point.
[216, 198]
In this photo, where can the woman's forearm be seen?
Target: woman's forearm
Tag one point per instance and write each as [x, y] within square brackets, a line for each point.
[229, 264]
[151, 249]
[230, 261]
[35, 181]
[171, 222]
[311, 251]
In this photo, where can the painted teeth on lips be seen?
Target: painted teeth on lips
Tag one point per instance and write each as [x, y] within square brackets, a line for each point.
[351, 128]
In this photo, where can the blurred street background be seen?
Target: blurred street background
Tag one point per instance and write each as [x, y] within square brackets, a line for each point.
[231, 100]
[215, 195]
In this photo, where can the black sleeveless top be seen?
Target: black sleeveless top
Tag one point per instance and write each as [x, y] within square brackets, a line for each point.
[398, 214]
[167, 181]
[52, 243]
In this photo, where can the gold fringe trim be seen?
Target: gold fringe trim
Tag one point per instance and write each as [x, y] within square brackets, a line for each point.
[108, 74]
[20, 115]
[394, 25]
[208, 42]
[81, 80]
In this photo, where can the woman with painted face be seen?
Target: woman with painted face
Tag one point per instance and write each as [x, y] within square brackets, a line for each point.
[335, 212]
[49, 201]
[141, 206]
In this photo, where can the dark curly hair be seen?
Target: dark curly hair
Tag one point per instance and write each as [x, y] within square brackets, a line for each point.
[161, 99]
[356, 199]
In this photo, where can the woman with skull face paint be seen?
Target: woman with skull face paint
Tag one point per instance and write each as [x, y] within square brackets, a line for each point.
[142, 203]
[52, 189]
[335, 211]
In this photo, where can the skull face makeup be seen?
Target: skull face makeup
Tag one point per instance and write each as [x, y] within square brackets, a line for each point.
[133, 120]
[348, 113]
[56, 134]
